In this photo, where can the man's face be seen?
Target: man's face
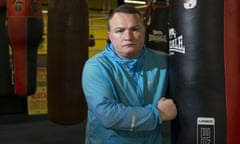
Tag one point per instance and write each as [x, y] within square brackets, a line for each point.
[127, 35]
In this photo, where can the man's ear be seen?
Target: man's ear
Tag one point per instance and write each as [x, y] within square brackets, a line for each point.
[109, 36]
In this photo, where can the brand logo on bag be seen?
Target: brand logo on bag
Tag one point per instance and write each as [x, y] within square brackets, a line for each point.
[175, 42]
[157, 36]
[189, 4]
[205, 130]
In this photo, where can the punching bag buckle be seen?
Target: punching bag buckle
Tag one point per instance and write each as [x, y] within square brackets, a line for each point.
[190, 4]
[18, 5]
[34, 6]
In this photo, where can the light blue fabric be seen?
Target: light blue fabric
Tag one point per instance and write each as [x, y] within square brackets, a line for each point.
[122, 96]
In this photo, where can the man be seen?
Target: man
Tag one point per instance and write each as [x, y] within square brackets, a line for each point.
[125, 86]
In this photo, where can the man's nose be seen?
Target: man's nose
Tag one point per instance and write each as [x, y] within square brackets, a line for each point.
[128, 35]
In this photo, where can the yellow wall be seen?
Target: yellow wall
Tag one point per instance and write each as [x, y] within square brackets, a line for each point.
[42, 49]
[98, 28]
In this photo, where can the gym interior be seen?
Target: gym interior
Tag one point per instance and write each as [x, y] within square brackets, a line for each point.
[30, 119]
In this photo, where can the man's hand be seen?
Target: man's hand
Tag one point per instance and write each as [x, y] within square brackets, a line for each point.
[167, 109]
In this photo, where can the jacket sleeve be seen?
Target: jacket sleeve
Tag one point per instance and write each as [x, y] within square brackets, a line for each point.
[99, 93]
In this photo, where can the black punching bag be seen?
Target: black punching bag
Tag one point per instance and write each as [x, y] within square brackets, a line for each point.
[196, 66]
[68, 41]
[25, 27]
[156, 21]
[5, 71]
[232, 68]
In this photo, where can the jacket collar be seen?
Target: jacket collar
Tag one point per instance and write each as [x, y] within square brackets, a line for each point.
[132, 64]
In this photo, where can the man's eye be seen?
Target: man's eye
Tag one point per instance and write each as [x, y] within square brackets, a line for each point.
[119, 31]
[136, 29]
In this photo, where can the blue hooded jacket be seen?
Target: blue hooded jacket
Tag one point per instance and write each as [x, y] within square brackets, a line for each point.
[122, 97]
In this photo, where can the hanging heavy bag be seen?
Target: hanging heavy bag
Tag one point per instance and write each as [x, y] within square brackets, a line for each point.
[5, 70]
[25, 27]
[232, 68]
[156, 21]
[196, 67]
[68, 40]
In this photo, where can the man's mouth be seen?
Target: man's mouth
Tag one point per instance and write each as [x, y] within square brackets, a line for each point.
[128, 45]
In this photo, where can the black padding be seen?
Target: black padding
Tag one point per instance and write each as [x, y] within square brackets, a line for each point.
[35, 32]
[5, 70]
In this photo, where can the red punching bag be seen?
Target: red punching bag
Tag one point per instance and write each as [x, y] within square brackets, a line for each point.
[68, 41]
[25, 28]
[232, 68]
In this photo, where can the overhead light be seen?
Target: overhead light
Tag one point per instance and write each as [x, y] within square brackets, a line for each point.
[134, 2]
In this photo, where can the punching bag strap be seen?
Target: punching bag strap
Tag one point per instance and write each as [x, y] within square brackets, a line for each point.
[148, 15]
[5, 70]
[150, 9]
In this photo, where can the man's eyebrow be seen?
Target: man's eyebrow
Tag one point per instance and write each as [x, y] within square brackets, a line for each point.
[135, 26]
[119, 28]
